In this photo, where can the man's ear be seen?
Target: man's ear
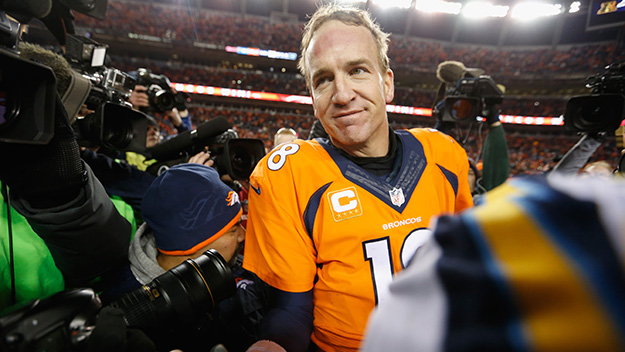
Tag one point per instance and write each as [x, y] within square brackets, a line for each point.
[241, 235]
[389, 86]
[313, 105]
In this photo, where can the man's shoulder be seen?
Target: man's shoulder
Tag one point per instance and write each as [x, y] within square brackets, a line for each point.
[433, 137]
[302, 162]
[295, 155]
[431, 134]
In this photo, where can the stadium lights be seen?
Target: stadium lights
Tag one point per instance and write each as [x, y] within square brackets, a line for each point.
[530, 10]
[350, 2]
[575, 6]
[483, 9]
[438, 6]
[404, 4]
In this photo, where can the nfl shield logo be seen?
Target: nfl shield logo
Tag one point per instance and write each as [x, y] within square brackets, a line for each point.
[397, 196]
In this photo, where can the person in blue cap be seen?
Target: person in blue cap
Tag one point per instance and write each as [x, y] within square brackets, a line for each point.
[187, 211]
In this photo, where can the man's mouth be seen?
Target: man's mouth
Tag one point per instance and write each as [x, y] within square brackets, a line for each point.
[347, 113]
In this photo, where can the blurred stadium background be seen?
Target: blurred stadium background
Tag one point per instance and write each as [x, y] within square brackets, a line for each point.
[237, 58]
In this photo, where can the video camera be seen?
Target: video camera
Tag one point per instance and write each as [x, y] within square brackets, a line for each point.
[64, 321]
[471, 97]
[114, 125]
[233, 156]
[160, 95]
[604, 109]
[27, 91]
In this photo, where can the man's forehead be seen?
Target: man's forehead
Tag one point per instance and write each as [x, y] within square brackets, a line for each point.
[337, 36]
[336, 32]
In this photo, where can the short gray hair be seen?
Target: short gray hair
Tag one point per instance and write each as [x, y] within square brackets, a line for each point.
[348, 15]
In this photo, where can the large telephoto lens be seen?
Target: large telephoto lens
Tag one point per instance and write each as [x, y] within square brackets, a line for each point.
[180, 295]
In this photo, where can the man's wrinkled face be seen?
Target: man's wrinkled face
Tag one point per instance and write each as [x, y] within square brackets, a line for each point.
[349, 88]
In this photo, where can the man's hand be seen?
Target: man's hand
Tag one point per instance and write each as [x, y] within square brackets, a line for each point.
[84, 111]
[111, 334]
[139, 98]
[265, 346]
[492, 118]
[174, 117]
[202, 158]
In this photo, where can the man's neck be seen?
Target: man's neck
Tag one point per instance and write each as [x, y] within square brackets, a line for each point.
[376, 146]
[379, 166]
[169, 261]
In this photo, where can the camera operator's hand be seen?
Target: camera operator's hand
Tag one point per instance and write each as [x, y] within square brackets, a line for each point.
[139, 98]
[174, 116]
[84, 111]
[492, 117]
[202, 158]
[180, 119]
[111, 334]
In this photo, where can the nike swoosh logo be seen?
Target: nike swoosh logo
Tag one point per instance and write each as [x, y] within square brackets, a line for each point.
[257, 190]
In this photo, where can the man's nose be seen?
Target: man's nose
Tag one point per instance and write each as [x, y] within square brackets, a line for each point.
[343, 91]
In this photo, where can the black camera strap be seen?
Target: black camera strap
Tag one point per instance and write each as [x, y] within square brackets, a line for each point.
[7, 200]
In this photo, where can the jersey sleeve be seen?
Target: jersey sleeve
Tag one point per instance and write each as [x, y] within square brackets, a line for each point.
[278, 248]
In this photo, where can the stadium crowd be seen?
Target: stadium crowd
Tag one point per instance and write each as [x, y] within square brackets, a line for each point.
[182, 24]
[137, 228]
[294, 84]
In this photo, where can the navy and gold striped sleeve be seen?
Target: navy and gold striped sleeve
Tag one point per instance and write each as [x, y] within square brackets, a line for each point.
[539, 266]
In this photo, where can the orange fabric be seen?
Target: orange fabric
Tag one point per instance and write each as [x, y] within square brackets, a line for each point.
[353, 230]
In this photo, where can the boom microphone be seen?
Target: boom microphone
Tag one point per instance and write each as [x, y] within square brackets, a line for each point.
[176, 147]
[451, 71]
[23, 10]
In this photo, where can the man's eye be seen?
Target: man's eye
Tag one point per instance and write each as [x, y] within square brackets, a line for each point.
[358, 70]
[321, 81]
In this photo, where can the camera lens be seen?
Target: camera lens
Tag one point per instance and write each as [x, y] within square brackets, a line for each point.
[242, 162]
[9, 108]
[594, 113]
[241, 157]
[160, 99]
[116, 133]
[181, 294]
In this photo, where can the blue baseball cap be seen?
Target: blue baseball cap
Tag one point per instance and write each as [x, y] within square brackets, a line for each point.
[188, 207]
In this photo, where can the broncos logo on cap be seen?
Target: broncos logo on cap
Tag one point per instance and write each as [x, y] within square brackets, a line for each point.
[232, 198]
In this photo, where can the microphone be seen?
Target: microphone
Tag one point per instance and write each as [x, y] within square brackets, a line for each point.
[451, 71]
[181, 144]
[26, 9]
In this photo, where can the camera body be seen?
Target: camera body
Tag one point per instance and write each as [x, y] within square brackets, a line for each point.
[602, 110]
[160, 96]
[471, 97]
[65, 320]
[61, 322]
[114, 125]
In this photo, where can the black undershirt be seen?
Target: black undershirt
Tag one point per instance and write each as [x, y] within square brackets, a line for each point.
[379, 166]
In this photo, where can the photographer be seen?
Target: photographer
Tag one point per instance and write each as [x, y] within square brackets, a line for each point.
[67, 231]
[181, 120]
[189, 210]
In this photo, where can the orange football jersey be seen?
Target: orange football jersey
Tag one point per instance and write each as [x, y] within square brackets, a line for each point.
[317, 220]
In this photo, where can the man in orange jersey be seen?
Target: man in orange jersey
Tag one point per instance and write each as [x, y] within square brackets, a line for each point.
[332, 220]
